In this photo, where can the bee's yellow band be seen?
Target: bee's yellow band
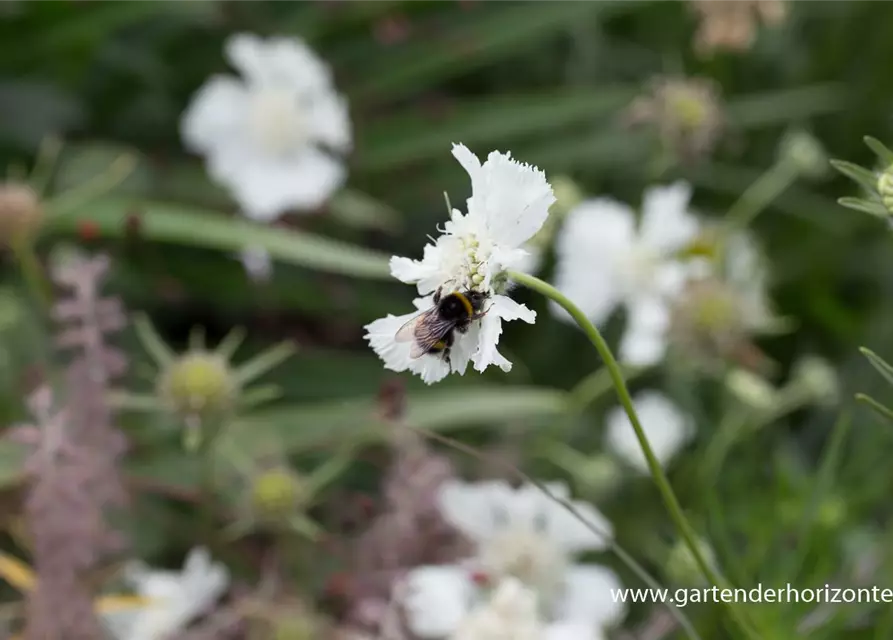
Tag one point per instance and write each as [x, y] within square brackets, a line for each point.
[466, 303]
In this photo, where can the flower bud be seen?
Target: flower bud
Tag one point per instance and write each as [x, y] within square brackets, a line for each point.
[198, 383]
[683, 568]
[21, 214]
[597, 476]
[885, 188]
[817, 377]
[276, 493]
[751, 390]
[805, 153]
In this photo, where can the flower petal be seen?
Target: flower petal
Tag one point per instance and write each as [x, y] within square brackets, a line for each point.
[501, 308]
[278, 62]
[593, 238]
[667, 226]
[381, 335]
[666, 429]
[644, 342]
[511, 198]
[437, 599]
[217, 109]
[529, 507]
[588, 596]
[572, 631]
[266, 186]
[474, 509]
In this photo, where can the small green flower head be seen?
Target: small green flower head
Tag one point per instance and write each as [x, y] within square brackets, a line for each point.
[276, 494]
[598, 476]
[885, 187]
[817, 378]
[683, 568]
[805, 153]
[877, 184]
[198, 383]
[21, 214]
[204, 384]
[752, 390]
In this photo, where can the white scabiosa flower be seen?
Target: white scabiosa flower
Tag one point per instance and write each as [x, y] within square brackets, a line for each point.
[604, 259]
[274, 135]
[176, 598]
[508, 205]
[667, 429]
[520, 535]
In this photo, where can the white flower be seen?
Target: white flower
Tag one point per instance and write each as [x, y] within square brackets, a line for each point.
[512, 613]
[176, 598]
[604, 260]
[508, 205]
[666, 429]
[271, 136]
[520, 534]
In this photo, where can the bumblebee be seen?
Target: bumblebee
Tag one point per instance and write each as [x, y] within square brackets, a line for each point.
[433, 331]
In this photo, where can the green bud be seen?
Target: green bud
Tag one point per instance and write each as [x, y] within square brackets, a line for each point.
[567, 195]
[21, 214]
[198, 383]
[805, 153]
[598, 475]
[276, 493]
[818, 378]
[751, 390]
[296, 627]
[831, 512]
[885, 188]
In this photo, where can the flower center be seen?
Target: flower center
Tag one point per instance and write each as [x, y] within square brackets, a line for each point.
[638, 268]
[528, 556]
[276, 121]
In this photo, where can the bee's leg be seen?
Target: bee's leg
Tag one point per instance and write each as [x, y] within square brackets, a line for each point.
[446, 357]
[437, 295]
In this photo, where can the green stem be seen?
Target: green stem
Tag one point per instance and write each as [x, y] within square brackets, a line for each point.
[657, 472]
[756, 198]
[32, 272]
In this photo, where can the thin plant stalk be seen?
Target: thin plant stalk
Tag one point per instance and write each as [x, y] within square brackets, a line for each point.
[32, 272]
[657, 472]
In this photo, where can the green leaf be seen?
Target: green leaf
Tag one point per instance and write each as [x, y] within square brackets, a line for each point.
[878, 363]
[861, 175]
[301, 427]
[472, 41]
[413, 136]
[785, 106]
[880, 150]
[876, 406]
[193, 227]
[865, 206]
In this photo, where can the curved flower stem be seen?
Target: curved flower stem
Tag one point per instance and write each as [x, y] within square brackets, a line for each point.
[657, 472]
[32, 273]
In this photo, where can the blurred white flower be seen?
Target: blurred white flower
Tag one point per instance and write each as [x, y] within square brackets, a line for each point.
[273, 135]
[604, 260]
[509, 204]
[176, 598]
[519, 534]
[512, 612]
[724, 304]
[666, 429]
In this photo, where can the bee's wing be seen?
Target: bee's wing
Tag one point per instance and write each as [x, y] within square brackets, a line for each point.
[424, 331]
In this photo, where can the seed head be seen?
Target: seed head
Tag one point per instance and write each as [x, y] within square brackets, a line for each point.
[21, 213]
[198, 383]
[276, 493]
